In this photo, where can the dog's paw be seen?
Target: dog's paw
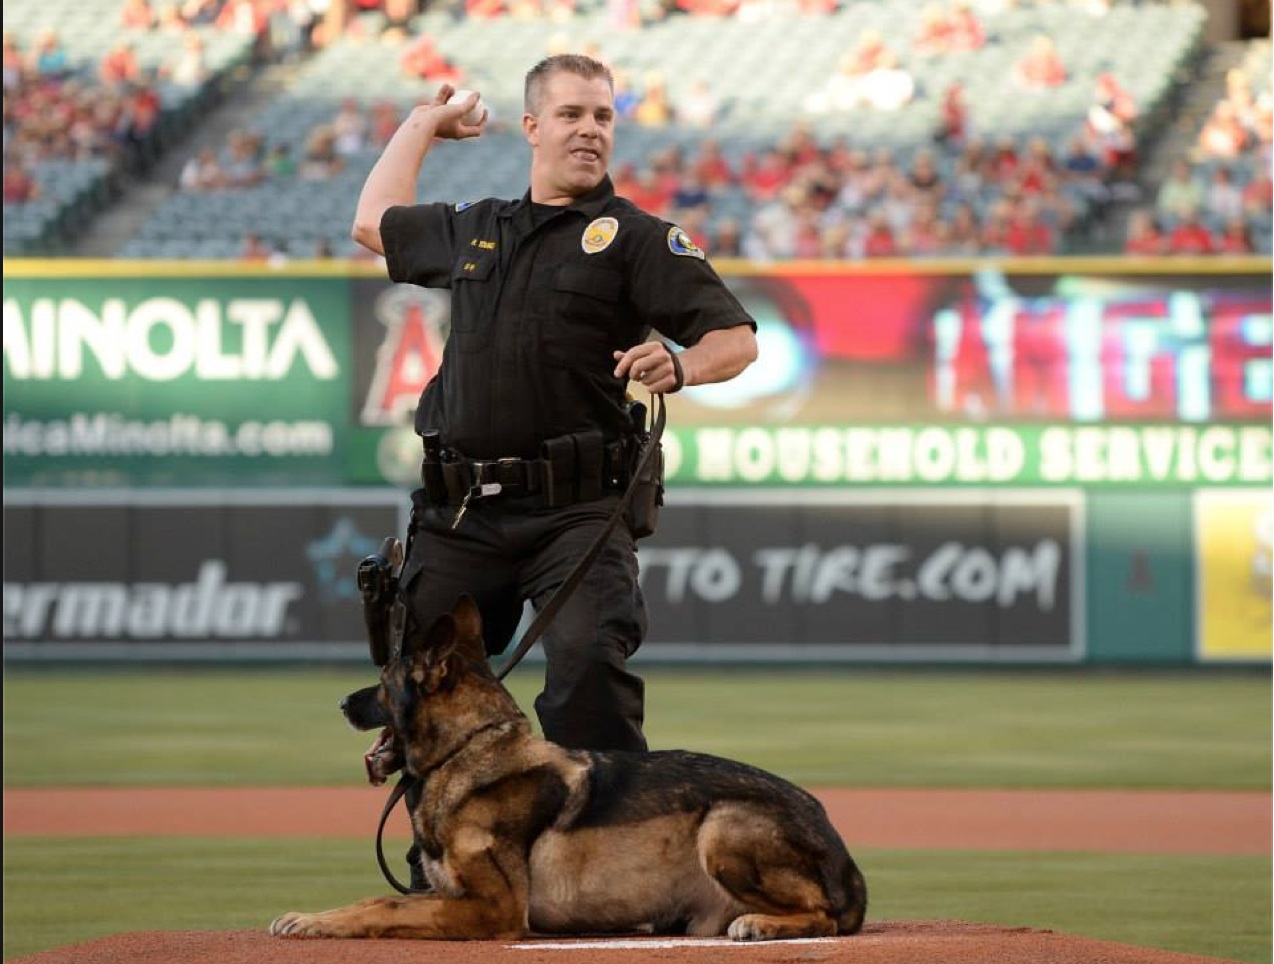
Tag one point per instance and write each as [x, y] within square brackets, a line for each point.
[294, 924]
[752, 927]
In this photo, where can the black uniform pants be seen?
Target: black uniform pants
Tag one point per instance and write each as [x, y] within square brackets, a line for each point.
[506, 551]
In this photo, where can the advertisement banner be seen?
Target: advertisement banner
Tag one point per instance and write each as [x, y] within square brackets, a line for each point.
[1069, 341]
[175, 576]
[1234, 562]
[838, 575]
[911, 455]
[175, 381]
[1051, 372]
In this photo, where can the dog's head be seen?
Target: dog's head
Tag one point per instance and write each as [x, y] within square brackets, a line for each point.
[416, 701]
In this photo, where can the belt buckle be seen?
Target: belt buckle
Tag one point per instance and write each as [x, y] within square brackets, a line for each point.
[510, 471]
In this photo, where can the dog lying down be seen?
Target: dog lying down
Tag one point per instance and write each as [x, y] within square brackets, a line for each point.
[521, 836]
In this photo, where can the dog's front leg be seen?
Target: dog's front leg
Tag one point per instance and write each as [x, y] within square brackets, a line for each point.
[419, 917]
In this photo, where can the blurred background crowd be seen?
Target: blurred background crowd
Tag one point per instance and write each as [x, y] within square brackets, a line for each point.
[768, 129]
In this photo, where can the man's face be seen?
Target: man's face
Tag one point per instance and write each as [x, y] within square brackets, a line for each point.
[571, 138]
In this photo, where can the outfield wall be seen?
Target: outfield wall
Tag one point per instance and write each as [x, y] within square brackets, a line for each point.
[1041, 461]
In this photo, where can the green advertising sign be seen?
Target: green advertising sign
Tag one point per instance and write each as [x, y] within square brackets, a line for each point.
[175, 380]
[919, 455]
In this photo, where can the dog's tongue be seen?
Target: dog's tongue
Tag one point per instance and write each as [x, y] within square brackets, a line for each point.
[371, 759]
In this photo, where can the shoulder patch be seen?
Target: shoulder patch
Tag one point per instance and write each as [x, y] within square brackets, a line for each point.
[464, 205]
[599, 234]
[679, 243]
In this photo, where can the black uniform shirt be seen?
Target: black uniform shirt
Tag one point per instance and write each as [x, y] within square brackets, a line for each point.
[537, 310]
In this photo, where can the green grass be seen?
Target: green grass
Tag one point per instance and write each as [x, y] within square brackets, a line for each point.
[842, 727]
[848, 727]
[1216, 906]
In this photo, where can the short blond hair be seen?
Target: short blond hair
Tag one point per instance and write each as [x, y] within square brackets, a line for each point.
[579, 64]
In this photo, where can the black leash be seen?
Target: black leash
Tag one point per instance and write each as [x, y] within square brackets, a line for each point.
[405, 783]
[537, 627]
[551, 608]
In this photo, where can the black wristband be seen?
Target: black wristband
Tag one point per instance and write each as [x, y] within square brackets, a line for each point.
[676, 370]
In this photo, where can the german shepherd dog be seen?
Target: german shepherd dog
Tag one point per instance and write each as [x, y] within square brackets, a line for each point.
[521, 836]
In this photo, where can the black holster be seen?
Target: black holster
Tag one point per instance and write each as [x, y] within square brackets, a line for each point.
[642, 513]
[383, 611]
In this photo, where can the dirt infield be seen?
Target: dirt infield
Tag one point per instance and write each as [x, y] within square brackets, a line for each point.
[1099, 821]
[1125, 821]
[887, 942]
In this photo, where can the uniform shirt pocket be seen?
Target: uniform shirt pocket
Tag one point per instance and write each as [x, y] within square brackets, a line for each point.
[472, 289]
[584, 315]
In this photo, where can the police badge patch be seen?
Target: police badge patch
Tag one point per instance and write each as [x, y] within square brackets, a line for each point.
[598, 235]
[679, 243]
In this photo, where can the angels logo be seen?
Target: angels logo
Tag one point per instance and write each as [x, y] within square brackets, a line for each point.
[416, 322]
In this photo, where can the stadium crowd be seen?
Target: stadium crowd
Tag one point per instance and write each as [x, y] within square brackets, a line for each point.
[803, 196]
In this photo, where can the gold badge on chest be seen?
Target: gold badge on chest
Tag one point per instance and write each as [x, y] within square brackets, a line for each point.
[599, 234]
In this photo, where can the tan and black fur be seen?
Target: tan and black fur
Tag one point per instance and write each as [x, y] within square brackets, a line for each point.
[522, 836]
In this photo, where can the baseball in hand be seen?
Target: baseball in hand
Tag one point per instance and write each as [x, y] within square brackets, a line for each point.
[472, 117]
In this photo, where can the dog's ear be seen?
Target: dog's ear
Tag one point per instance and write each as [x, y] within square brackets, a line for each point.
[469, 628]
[428, 660]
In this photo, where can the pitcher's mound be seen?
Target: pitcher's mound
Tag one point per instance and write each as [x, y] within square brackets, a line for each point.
[884, 942]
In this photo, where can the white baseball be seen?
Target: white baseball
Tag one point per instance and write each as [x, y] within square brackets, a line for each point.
[475, 115]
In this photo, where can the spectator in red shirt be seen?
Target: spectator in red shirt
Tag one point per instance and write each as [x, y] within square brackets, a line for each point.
[954, 124]
[1005, 162]
[648, 194]
[711, 166]
[421, 58]
[868, 54]
[624, 178]
[1235, 239]
[879, 241]
[1040, 67]
[708, 8]
[800, 147]
[484, 9]
[1144, 236]
[770, 176]
[934, 34]
[137, 15]
[995, 228]
[1028, 233]
[1108, 124]
[1190, 236]
[20, 187]
[965, 30]
[120, 65]
[1038, 171]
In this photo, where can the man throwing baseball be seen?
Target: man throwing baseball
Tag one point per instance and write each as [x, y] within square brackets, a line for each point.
[528, 438]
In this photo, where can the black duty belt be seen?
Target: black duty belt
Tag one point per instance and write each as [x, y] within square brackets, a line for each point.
[574, 469]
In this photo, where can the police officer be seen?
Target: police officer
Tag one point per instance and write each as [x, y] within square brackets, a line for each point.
[526, 425]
